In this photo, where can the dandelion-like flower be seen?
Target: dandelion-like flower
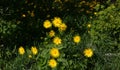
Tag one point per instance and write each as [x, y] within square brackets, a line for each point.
[57, 40]
[51, 33]
[52, 63]
[21, 50]
[76, 39]
[54, 52]
[47, 24]
[34, 50]
[57, 22]
[63, 27]
[88, 52]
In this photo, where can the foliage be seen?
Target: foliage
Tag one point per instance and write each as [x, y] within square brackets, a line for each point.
[6, 27]
[60, 35]
[105, 28]
[105, 34]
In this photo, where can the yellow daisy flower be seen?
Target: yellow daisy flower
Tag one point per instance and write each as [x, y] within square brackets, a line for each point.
[47, 24]
[34, 50]
[63, 27]
[51, 33]
[57, 40]
[54, 52]
[88, 52]
[21, 50]
[76, 39]
[52, 63]
[57, 21]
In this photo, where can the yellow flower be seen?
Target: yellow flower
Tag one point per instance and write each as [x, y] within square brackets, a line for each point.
[57, 40]
[76, 39]
[47, 24]
[34, 50]
[51, 33]
[88, 52]
[57, 21]
[62, 27]
[23, 15]
[89, 25]
[21, 50]
[52, 63]
[30, 56]
[95, 13]
[54, 52]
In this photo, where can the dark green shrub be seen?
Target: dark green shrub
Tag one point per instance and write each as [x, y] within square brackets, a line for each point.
[105, 34]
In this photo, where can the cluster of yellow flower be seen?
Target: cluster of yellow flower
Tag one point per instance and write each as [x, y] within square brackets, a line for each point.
[54, 52]
[34, 50]
[57, 40]
[56, 22]
[87, 52]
